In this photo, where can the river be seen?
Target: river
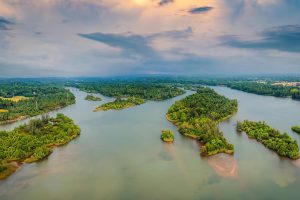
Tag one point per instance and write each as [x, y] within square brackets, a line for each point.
[119, 155]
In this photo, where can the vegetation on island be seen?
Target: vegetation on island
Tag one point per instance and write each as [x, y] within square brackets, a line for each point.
[282, 144]
[296, 129]
[20, 100]
[90, 97]
[198, 115]
[149, 91]
[120, 104]
[167, 136]
[34, 141]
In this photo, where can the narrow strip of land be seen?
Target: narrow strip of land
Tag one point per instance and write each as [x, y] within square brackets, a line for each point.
[282, 144]
[120, 104]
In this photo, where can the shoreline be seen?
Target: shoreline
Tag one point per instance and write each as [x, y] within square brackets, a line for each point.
[13, 166]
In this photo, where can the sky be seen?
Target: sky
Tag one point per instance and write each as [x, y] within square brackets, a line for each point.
[45, 38]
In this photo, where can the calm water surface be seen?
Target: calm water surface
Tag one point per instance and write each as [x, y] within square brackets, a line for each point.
[119, 155]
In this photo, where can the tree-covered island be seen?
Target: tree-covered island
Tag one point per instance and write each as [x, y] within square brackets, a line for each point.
[34, 141]
[90, 97]
[167, 136]
[198, 115]
[120, 104]
[282, 144]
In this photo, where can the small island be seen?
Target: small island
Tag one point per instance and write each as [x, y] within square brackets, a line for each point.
[90, 97]
[282, 144]
[296, 129]
[197, 116]
[167, 136]
[120, 104]
[34, 141]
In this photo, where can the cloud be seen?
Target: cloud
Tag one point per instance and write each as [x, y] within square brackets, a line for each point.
[4, 24]
[150, 59]
[175, 34]
[131, 44]
[80, 10]
[282, 38]
[136, 45]
[199, 10]
[165, 2]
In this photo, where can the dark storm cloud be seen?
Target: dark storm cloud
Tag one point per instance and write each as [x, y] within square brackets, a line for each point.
[133, 44]
[282, 38]
[164, 2]
[4, 24]
[152, 59]
[199, 10]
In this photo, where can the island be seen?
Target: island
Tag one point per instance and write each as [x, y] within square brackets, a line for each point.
[120, 104]
[198, 115]
[23, 99]
[90, 97]
[167, 136]
[282, 144]
[125, 89]
[296, 129]
[34, 141]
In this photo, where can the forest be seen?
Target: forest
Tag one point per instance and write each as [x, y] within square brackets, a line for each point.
[147, 91]
[37, 98]
[34, 141]
[90, 97]
[167, 136]
[198, 116]
[120, 104]
[282, 144]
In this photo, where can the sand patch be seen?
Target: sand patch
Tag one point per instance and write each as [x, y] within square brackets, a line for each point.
[224, 165]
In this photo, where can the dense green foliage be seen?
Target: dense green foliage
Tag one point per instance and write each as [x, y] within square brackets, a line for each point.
[198, 116]
[90, 97]
[139, 90]
[296, 129]
[35, 140]
[282, 144]
[42, 99]
[120, 104]
[3, 168]
[167, 136]
[266, 89]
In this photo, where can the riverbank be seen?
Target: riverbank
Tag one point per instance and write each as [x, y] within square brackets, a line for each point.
[34, 141]
[20, 118]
